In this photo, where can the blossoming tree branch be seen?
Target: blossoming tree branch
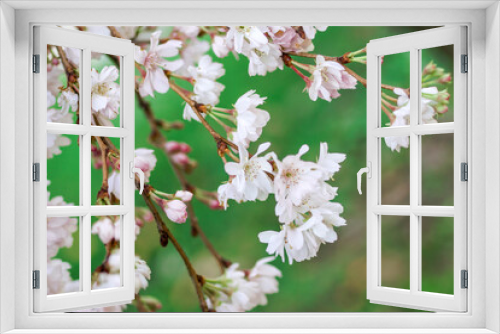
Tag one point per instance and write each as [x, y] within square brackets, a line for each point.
[306, 214]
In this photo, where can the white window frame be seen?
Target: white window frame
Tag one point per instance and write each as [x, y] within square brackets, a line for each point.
[86, 297]
[483, 21]
[413, 44]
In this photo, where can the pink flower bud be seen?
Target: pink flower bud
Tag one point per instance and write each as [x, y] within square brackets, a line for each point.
[55, 61]
[139, 222]
[215, 205]
[185, 148]
[148, 217]
[172, 146]
[180, 159]
[445, 78]
[183, 195]
[176, 211]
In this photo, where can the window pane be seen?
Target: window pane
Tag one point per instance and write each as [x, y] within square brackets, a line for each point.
[63, 84]
[437, 85]
[105, 252]
[106, 94]
[437, 254]
[63, 169]
[105, 172]
[63, 255]
[395, 251]
[395, 104]
[395, 172]
[437, 169]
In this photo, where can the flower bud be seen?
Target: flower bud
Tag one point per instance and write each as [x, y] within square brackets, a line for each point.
[429, 68]
[172, 146]
[441, 109]
[215, 205]
[183, 195]
[176, 211]
[185, 148]
[445, 78]
[180, 159]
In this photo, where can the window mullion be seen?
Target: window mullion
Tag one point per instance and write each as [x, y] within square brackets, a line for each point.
[414, 170]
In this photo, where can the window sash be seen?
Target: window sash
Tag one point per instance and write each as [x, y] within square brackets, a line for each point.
[414, 298]
[86, 297]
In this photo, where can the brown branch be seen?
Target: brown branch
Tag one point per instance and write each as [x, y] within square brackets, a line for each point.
[166, 233]
[66, 64]
[341, 60]
[198, 110]
[114, 32]
[159, 140]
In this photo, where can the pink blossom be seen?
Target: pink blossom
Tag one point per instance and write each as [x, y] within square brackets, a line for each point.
[172, 146]
[154, 62]
[175, 210]
[180, 159]
[145, 160]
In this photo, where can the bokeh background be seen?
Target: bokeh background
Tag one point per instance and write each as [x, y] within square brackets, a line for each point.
[335, 281]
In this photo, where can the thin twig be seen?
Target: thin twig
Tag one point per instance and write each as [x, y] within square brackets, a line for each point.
[164, 230]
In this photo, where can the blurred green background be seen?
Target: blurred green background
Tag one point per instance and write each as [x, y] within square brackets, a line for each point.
[334, 281]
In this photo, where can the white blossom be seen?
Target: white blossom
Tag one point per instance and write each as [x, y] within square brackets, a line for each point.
[244, 38]
[142, 274]
[58, 277]
[68, 99]
[114, 185]
[205, 88]
[261, 63]
[265, 275]
[328, 78]
[249, 177]
[105, 92]
[105, 229]
[154, 62]
[402, 115]
[293, 182]
[59, 229]
[219, 46]
[250, 119]
[191, 54]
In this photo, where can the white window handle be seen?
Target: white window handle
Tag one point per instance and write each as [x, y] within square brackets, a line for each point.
[138, 171]
[368, 172]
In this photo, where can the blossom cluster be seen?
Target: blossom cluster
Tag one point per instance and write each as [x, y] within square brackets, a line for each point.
[242, 290]
[433, 103]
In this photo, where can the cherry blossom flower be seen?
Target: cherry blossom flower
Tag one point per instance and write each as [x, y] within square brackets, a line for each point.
[188, 31]
[58, 277]
[105, 92]
[261, 63]
[402, 115]
[154, 62]
[59, 229]
[54, 144]
[68, 100]
[249, 177]
[53, 81]
[327, 78]
[51, 99]
[191, 54]
[114, 185]
[265, 275]
[146, 161]
[244, 38]
[205, 88]
[295, 180]
[142, 274]
[105, 229]
[250, 119]
[235, 292]
[219, 46]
